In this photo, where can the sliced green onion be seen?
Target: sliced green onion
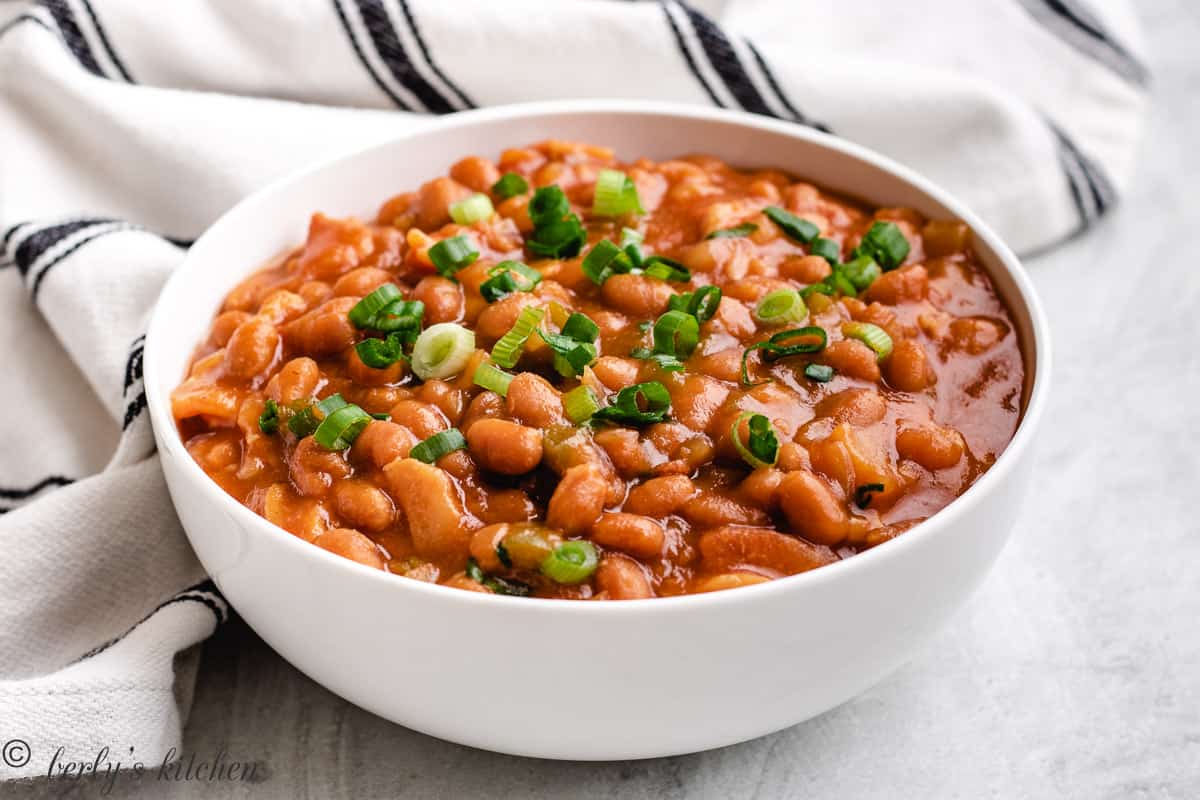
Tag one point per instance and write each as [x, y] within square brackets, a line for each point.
[821, 373]
[306, 420]
[497, 585]
[736, 232]
[451, 255]
[400, 316]
[616, 195]
[603, 261]
[581, 328]
[631, 243]
[638, 404]
[863, 495]
[571, 562]
[341, 427]
[507, 351]
[268, 420]
[502, 554]
[662, 360]
[761, 449]
[701, 304]
[817, 288]
[580, 404]
[508, 277]
[885, 243]
[440, 444]
[442, 350]
[366, 310]
[799, 229]
[871, 335]
[557, 233]
[666, 269]
[827, 249]
[840, 282]
[492, 378]
[784, 344]
[471, 209]
[676, 333]
[510, 185]
[781, 307]
[381, 416]
[862, 271]
[570, 355]
[381, 353]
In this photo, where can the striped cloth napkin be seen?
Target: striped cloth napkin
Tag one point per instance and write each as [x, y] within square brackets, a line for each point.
[127, 130]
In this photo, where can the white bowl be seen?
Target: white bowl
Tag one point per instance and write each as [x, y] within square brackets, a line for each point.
[567, 679]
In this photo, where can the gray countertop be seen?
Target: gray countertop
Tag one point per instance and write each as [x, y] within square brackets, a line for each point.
[1073, 672]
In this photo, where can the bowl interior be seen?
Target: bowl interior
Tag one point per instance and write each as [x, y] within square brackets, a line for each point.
[275, 219]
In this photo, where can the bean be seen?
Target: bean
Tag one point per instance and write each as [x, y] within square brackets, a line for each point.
[496, 320]
[634, 534]
[761, 487]
[714, 508]
[360, 373]
[445, 397]
[615, 372]
[507, 505]
[626, 451]
[325, 330]
[314, 469]
[483, 547]
[298, 379]
[728, 580]
[351, 544]
[932, 446]
[423, 419]
[475, 173]
[252, 349]
[533, 401]
[443, 299]
[361, 282]
[637, 295]
[853, 359]
[729, 548]
[300, 516]
[505, 447]
[224, 326]
[860, 407]
[434, 200]
[660, 497]
[805, 269]
[619, 577]
[976, 335]
[907, 368]
[382, 442]
[281, 306]
[812, 509]
[578, 500]
[485, 405]
[905, 285]
[439, 525]
[363, 505]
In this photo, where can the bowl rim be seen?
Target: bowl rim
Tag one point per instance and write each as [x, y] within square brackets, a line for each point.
[170, 443]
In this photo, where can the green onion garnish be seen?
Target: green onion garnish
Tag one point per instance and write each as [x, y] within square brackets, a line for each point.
[701, 304]
[781, 307]
[492, 378]
[666, 269]
[603, 261]
[570, 355]
[340, 428]
[510, 185]
[616, 195]
[571, 562]
[580, 404]
[451, 255]
[799, 229]
[761, 449]
[497, 585]
[471, 209]
[508, 277]
[736, 232]
[817, 288]
[386, 310]
[305, 421]
[662, 360]
[821, 373]
[557, 233]
[794, 342]
[871, 335]
[676, 333]
[885, 243]
[861, 272]
[827, 249]
[440, 444]
[507, 351]
[631, 243]
[365, 310]
[442, 351]
[581, 328]
[863, 495]
[268, 420]
[639, 404]
[381, 353]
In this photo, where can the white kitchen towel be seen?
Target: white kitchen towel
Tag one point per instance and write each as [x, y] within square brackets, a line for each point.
[127, 127]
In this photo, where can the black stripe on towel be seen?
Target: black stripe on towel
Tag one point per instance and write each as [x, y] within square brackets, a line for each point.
[204, 593]
[1099, 190]
[387, 44]
[17, 20]
[41, 276]
[803, 119]
[681, 43]
[416, 32]
[71, 34]
[44, 483]
[133, 364]
[1077, 26]
[104, 40]
[725, 62]
[362, 57]
[38, 242]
